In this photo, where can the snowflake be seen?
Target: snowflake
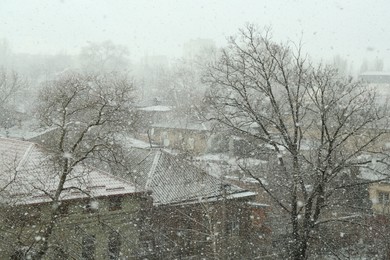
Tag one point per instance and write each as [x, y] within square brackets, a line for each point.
[67, 155]
[94, 205]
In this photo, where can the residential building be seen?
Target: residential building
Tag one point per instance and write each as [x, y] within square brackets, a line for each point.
[379, 194]
[378, 185]
[100, 216]
[195, 215]
[379, 81]
[376, 77]
[151, 115]
[182, 134]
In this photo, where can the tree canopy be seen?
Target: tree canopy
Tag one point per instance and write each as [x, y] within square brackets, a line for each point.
[316, 123]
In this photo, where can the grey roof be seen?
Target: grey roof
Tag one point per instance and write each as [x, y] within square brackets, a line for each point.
[376, 171]
[29, 176]
[377, 77]
[184, 124]
[173, 181]
[158, 108]
[376, 73]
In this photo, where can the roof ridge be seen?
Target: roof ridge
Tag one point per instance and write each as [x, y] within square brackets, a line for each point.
[25, 156]
[13, 139]
[108, 174]
[153, 169]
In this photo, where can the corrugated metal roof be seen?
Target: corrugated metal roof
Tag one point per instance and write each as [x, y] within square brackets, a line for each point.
[11, 152]
[172, 180]
[157, 108]
[185, 124]
[28, 176]
[376, 73]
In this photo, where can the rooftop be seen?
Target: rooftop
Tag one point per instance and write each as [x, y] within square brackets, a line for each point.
[184, 124]
[157, 108]
[28, 175]
[172, 180]
[375, 73]
[376, 77]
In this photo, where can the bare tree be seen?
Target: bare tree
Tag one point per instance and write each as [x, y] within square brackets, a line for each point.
[5, 52]
[11, 84]
[85, 113]
[315, 122]
[186, 87]
[341, 64]
[104, 57]
[378, 64]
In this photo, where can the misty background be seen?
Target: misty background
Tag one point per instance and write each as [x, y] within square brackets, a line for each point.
[355, 30]
[162, 43]
[171, 75]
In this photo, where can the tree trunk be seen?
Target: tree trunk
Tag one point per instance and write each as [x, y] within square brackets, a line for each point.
[54, 213]
[299, 253]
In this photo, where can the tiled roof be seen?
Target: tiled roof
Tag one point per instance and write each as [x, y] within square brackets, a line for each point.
[376, 172]
[12, 152]
[158, 108]
[172, 180]
[184, 124]
[28, 176]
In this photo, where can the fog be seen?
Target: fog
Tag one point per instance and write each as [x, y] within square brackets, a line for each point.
[226, 129]
[355, 30]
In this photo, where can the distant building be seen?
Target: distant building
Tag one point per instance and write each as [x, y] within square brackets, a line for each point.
[154, 111]
[155, 61]
[379, 81]
[198, 48]
[376, 77]
[379, 186]
[100, 215]
[181, 134]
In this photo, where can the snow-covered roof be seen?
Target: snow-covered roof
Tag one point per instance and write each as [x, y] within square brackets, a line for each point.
[21, 131]
[377, 77]
[377, 169]
[184, 124]
[133, 142]
[29, 176]
[257, 205]
[157, 108]
[174, 181]
[375, 73]
[376, 172]
[220, 164]
[246, 179]
[17, 133]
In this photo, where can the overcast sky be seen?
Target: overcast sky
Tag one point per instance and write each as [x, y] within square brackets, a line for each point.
[355, 29]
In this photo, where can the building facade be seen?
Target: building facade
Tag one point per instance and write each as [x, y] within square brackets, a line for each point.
[98, 215]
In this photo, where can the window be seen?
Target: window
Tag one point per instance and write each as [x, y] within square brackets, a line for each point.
[114, 245]
[233, 226]
[383, 198]
[191, 143]
[88, 247]
[24, 216]
[63, 210]
[115, 203]
[165, 138]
